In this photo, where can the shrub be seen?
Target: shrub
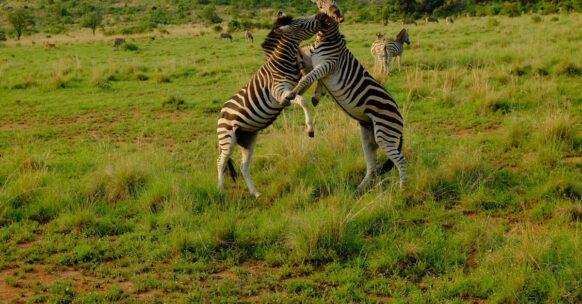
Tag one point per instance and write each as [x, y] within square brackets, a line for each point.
[492, 22]
[129, 47]
[536, 19]
[234, 25]
[217, 28]
[174, 101]
[3, 35]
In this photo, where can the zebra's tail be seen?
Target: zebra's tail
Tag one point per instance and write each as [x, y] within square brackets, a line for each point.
[388, 165]
[231, 169]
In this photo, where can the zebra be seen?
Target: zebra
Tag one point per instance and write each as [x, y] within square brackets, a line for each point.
[431, 20]
[118, 42]
[378, 51]
[225, 36]
[338, 72]
[258, 104]
[395, 48]
[449, 20]
[250, 36]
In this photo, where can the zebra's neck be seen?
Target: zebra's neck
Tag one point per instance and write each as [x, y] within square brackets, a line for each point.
[284, 53]
[331, 36]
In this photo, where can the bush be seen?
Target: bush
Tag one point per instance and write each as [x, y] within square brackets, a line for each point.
[3, 36]
[492, 22]
[174, 101]
[536, 19]
[234, 25]
[217, 28]
[129, 47]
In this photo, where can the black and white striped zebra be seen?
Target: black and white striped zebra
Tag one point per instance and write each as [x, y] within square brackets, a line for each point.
[363, 98]
[258, 104]
[395, 48]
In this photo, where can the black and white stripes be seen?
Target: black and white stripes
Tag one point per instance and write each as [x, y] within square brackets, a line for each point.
[331, 63]
[258, 104]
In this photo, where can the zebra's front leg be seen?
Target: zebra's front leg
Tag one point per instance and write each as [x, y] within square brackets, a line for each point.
[399, 63]
[311, 77]
[369, 146]
[309, 122]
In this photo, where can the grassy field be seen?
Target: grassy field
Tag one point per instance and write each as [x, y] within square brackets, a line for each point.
[108, 191]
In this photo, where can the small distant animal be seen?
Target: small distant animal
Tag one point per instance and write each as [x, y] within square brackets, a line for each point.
[118, 42]
[431, 20]
[379, 53]
[49, 45]
[449, 20]
[250, 37]
[409, 21]
[225, 36]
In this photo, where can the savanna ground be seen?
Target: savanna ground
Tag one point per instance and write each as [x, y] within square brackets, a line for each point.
[108, 191]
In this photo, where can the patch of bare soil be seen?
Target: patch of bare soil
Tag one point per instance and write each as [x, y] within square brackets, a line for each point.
[19, 284]
[14, 126]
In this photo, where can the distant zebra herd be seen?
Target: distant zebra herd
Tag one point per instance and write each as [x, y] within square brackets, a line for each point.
[287, 73]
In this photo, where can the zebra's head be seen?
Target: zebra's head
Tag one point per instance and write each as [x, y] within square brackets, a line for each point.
[301, 28]
[403, 36]
[330, 8]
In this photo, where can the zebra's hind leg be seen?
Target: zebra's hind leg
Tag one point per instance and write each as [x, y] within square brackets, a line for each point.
[388, 141]
[247, 143]
[369, 146]
[226, 143]
[309, 122]
[320, 91]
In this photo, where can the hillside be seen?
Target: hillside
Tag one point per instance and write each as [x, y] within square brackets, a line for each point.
[113, 17]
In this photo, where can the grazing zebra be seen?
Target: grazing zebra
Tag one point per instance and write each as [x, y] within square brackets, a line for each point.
[379, 53]
[258, 104]
[431, 20]
[337, 71]
[250, 37]
[225, 36]
[408, 21]
[118, 42]
[449, 20]
[395, 48]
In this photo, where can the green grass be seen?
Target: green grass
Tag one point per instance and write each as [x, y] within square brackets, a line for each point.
[108, 186]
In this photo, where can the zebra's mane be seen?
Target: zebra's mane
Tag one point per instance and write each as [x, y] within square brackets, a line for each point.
[400, 36]
[274, 36]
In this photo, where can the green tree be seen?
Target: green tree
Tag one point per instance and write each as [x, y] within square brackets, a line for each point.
[21, 21]
[92, 20]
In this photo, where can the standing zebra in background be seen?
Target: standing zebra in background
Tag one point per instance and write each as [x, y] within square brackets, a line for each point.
[395, 48]
[379, 53]
[250, 37]
[449, 20]
[258, 104]
[431, 20]
[225, 36]
[337, 70]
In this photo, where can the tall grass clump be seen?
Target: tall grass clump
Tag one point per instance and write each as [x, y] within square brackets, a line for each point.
[119, 181]
[458, 173]
[322, 234]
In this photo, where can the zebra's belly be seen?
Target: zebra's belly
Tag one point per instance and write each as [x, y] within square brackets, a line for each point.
[342, 98]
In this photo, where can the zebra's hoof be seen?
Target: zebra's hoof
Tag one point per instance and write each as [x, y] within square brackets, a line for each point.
[314, 101]
[311, 134]
[257, 194]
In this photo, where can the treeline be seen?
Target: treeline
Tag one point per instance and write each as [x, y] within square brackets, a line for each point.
[18, 18]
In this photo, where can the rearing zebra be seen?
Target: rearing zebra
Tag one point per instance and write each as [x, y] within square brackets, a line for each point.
[338, 71]
[258, 104]
[395, 48]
